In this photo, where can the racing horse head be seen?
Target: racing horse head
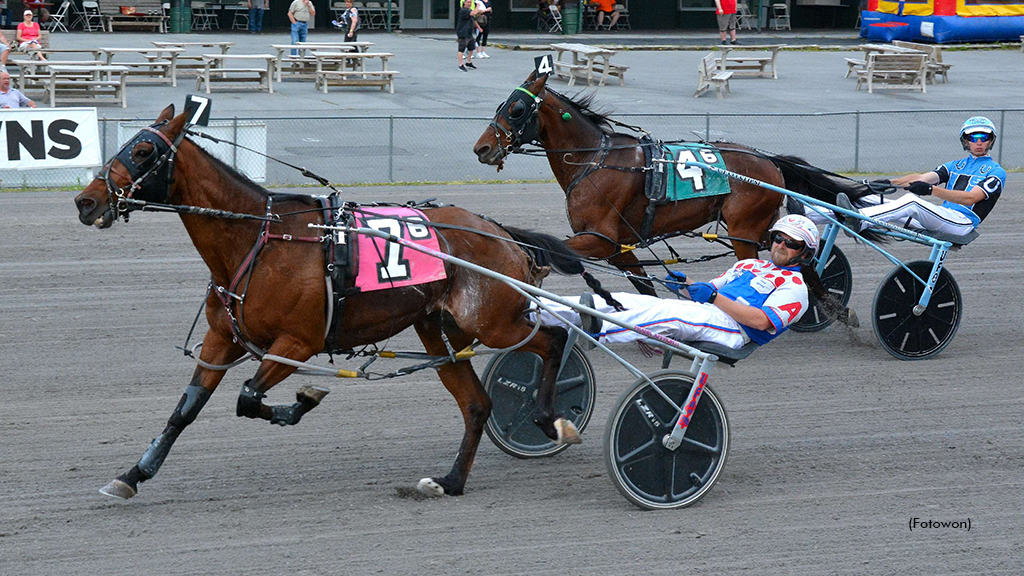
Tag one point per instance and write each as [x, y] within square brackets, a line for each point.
[141, 171]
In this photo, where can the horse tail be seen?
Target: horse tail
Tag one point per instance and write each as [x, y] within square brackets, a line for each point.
[808, 180]
[546, 250]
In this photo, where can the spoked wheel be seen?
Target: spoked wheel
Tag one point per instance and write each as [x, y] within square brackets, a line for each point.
[512, 380]
[646, 472]
[910, 336]
[838, 280]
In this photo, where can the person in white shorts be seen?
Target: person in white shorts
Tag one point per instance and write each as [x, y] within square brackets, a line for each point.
[969, 189]
[755, 300]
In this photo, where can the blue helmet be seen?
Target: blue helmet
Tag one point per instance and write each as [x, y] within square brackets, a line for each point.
[978, 124]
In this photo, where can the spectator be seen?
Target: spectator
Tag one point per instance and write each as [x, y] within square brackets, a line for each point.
[9, 97]
[256, 9]
[465, 25]
[300, 13]
[349, 22]
[607, 7]
[5, 51]
[483, 22]
[28, 35]
[725, 10]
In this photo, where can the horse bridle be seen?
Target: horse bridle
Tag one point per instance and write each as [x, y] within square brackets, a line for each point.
[520, 112]
[143, 185]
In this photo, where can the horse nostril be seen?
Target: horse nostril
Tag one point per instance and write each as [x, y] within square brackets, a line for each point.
[482, 150]
[85, 204]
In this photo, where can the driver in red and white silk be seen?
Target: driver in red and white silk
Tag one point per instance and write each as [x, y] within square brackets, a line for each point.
[755, 300]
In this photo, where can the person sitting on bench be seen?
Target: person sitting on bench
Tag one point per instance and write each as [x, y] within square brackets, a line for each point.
[755, 300]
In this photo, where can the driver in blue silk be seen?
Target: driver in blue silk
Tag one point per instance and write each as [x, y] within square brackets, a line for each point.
[968, 188]
[755, 300]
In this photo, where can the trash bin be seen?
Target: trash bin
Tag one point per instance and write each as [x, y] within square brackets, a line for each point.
[571, 17]
[181, 16]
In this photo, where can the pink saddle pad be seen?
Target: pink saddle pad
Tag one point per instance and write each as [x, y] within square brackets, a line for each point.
[384, 265]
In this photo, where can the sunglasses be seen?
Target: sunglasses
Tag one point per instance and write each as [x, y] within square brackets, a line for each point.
[979, 137]
[791, 244]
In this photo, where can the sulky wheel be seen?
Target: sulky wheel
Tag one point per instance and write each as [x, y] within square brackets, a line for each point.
[910, 336]
[646, 472]
[512, 380]
[838, 280]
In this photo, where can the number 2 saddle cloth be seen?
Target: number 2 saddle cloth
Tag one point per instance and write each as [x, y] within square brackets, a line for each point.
[362, 263]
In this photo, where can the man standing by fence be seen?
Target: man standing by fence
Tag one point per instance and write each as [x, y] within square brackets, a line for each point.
[256, 9]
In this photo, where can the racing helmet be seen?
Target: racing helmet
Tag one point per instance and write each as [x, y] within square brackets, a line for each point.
[799, 228]
[977, 124]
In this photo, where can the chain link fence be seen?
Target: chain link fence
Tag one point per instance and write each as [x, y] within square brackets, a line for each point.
[383, 149]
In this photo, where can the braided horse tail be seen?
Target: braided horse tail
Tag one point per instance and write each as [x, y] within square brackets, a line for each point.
[547, 250]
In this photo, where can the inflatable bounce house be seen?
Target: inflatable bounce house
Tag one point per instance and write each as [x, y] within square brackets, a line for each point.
[943, 21]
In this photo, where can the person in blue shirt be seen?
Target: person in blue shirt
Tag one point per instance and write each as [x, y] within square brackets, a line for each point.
[968, 188]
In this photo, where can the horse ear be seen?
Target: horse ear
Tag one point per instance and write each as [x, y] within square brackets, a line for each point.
[532, 77]
[537, 84]
[175, 125]
[167, 114]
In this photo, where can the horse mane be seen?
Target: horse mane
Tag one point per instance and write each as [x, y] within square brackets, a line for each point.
[584, 106]
[244, 182]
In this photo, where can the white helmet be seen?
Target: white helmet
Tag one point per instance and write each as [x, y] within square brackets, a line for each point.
[799, 228]
[977, 124]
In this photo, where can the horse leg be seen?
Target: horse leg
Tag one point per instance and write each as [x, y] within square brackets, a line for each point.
[216, 350]
[595, 246]
[250, 399]
[462, 382]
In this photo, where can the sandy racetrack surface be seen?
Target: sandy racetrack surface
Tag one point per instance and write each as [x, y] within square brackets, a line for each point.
[836, 445]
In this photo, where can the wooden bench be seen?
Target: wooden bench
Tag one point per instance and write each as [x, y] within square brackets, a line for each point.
[936, 67]
[149, 15]
[32, 74]
[854, 65]
[216, 70]
[383, 78]
[894, 71]
[708, 76]
[87, 84]
[756, 65]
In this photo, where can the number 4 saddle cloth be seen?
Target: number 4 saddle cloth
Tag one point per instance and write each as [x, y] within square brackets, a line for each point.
[676, 181]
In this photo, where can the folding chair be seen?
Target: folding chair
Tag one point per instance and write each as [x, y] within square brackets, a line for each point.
[56, 23]
[780, 12]
[556, 19]
[623, 23]
[240, 20]
[91, 17]
[745, 17]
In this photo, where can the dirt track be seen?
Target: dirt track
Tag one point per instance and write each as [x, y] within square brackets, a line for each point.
[836, 445]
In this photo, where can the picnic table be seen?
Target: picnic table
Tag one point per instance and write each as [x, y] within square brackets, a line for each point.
[192, 63]
[303, 65]
[94, 52]
[215, 70]
[87, 83]
[32, 73]
[750, 65]
[587, 61]
[161, 63]
[856, 64]
[330, 66]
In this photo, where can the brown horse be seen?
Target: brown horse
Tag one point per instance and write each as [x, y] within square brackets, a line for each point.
[601, 173]
[284, 295]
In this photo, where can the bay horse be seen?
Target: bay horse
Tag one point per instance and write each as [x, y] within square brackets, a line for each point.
[285, 296]
[601, 173]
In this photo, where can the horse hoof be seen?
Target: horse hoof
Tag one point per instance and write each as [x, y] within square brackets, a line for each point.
[567, 433]
[851, 318]
[313, 394]
[118, 489]
[430, 488]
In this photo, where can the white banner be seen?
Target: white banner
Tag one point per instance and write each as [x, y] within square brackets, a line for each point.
[33, 138]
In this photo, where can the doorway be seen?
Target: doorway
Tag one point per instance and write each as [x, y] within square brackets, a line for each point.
[428, 14]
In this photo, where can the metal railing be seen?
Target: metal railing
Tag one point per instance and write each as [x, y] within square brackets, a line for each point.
[383, 149]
